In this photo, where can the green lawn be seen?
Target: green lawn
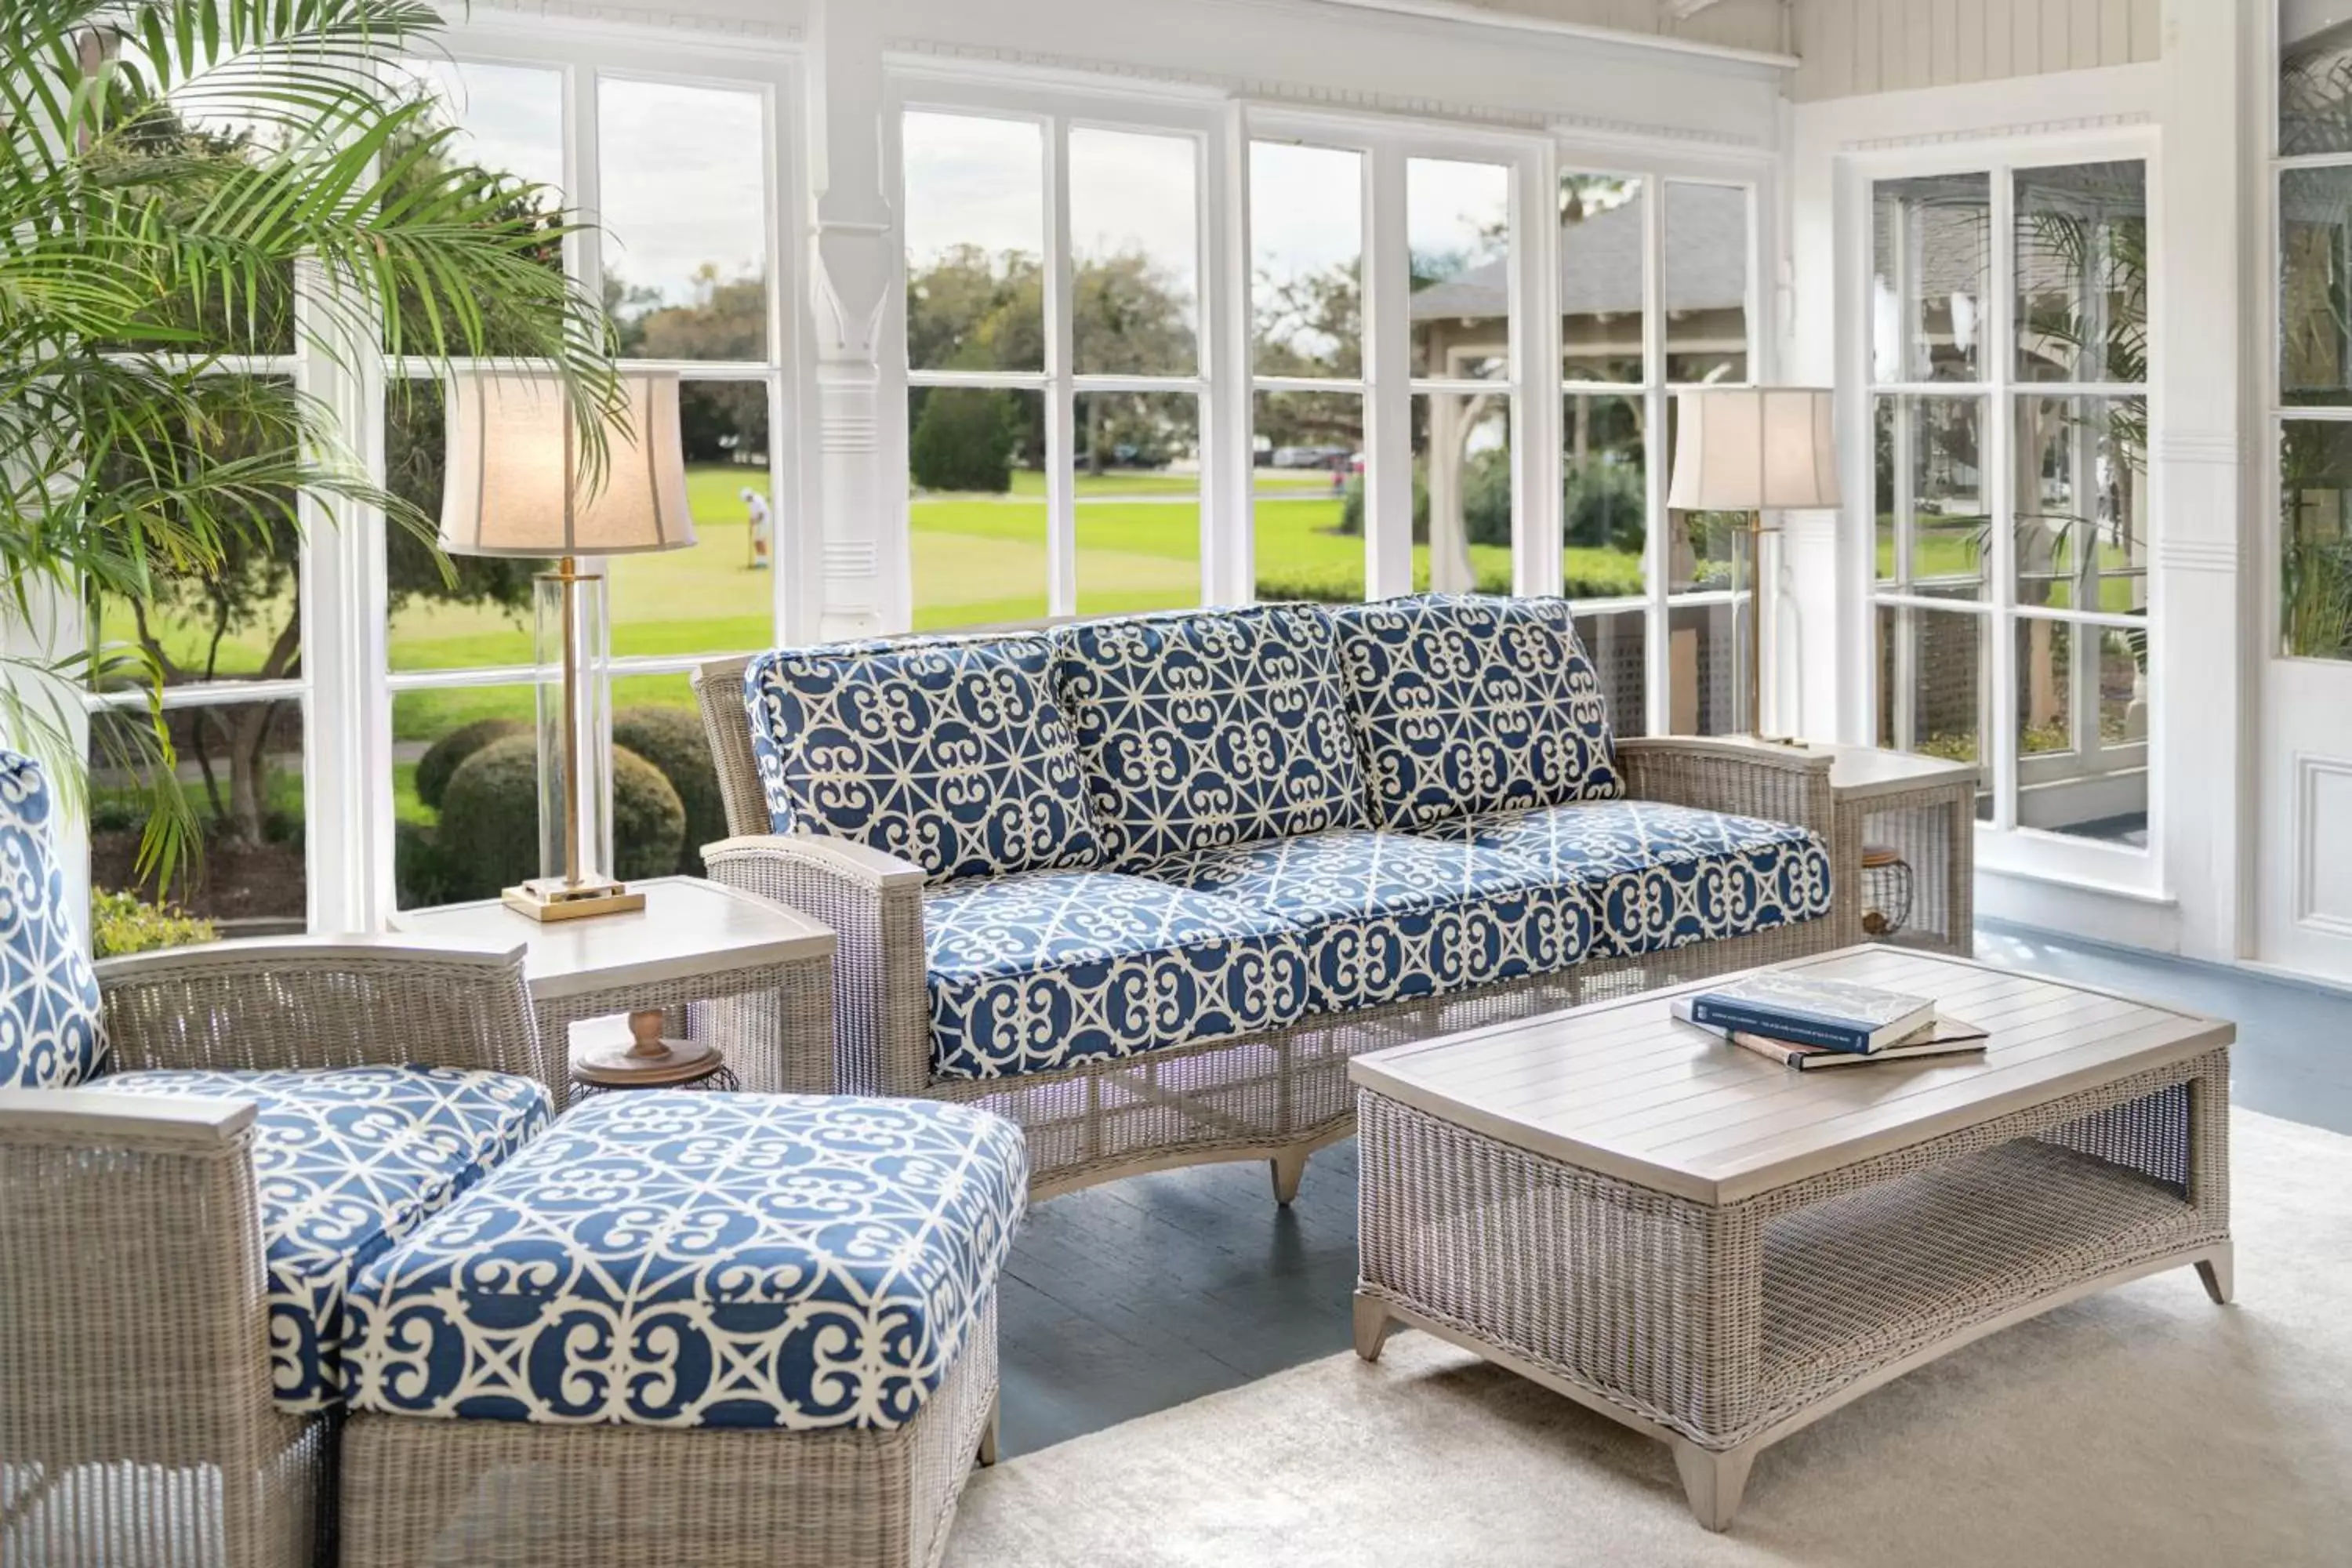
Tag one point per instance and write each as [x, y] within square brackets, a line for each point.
[977, 560]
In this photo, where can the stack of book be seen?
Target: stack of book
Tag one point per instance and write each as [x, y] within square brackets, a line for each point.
[1806, 1021]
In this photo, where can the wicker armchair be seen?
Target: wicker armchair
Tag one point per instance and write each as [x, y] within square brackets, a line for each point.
[1276, 1096]
[137, 1422]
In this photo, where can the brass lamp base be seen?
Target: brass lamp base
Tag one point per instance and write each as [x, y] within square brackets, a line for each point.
[553, 899]
[647, 1058]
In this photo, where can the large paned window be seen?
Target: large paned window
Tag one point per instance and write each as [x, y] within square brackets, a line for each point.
[2312, 390]
[1398, 373]
[237, 691]
[682, 176]
[1056, 363]
[2009, 440]
[1654, 296]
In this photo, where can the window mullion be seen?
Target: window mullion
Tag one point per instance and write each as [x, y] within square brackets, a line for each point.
[1061, 412]
[1657, 551]
[1538, 530]
[1388, 407]
[2001, 473]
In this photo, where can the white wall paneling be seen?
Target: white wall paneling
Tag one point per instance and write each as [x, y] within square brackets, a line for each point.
[1857, 47]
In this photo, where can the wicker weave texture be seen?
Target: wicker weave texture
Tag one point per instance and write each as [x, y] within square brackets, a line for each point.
[1257, 1096]
[1933, 831]
[136, 1419]
[421, 1493]
[1722, 1323]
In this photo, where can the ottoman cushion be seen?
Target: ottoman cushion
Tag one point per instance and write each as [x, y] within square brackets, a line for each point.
[347, 1160]
[667, 1257]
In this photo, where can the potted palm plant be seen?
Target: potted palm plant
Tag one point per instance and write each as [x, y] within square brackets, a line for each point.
[183, 182]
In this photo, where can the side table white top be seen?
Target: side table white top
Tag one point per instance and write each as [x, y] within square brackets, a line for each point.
[1859, 771]
[688, 927]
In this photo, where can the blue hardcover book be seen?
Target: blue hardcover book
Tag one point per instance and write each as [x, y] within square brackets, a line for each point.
[1810, 1010]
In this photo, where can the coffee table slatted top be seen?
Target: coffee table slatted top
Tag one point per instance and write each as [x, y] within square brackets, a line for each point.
[1627, 1090]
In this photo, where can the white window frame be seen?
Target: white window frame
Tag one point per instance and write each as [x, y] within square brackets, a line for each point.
[917, 85]
[2003, 845]
[347, 687]
[1655, 390]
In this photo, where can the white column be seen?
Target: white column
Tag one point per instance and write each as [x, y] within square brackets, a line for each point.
[2204, 747]
[852, 270]
[347, 721]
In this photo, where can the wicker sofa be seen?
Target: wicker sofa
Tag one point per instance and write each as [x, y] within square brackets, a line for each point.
[1144, 885]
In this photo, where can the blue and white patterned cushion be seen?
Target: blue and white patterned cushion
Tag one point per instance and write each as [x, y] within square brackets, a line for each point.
[1662, 876]
[681, 1260]
[348, 1160]
[1385, 917]
[1030, 974]
[49, 1034]
[1210, 727]
[951, 752]
[1465, 704]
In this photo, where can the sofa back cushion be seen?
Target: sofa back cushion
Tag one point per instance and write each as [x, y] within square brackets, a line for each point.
[948, 752]
[1209, 728]
[1467, 703]
[49, 1031]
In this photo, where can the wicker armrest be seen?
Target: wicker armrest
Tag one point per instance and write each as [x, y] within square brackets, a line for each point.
[132, 1318]
[321, 1002]
[93, 1119]
[1779, 783]
[873, 903]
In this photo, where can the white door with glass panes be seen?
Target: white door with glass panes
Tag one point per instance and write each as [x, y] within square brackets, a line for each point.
[2010, 511]
[2304, 914]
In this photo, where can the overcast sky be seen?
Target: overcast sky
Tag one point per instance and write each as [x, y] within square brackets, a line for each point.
[682, 168]
[682, 175]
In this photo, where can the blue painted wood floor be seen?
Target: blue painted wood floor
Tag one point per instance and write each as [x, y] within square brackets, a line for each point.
[1141, 1294]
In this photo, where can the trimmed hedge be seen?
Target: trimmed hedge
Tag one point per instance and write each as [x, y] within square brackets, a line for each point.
[488, 836]
[445, 756]
[672, 740]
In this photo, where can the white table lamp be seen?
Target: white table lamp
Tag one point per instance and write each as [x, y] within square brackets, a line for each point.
[1754, 449]
[515, 486]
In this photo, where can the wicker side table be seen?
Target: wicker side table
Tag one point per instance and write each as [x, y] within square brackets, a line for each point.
[748, 975]
[1906, 841]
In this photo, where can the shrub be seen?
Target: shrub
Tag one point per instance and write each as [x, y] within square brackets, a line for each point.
[672, 740]
[445, 756]
[488, 836]
[418, 873]
[648, 819]
[963, 440]
[122, 922]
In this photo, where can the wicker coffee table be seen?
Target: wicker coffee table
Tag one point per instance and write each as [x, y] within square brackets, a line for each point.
[1717, 1251]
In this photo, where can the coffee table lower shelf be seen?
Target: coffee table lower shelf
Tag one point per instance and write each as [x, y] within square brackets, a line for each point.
[1720, 1330]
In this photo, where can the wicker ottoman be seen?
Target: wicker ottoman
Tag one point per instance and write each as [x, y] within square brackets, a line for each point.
[715, 1329]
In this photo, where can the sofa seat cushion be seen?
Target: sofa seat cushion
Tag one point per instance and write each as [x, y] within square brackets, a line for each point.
[49, 1034]
[674, 1258]
[349, 1161]
[1030, 974]
[951, 753]
[1388, 917]
[1662, 876]
[1466, 703]
[1210, 727]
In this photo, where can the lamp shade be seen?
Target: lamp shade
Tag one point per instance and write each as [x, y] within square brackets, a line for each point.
[513, 484]
[1754, 448]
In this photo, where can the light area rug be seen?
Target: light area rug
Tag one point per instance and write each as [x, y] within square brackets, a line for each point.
[2144, 1425]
